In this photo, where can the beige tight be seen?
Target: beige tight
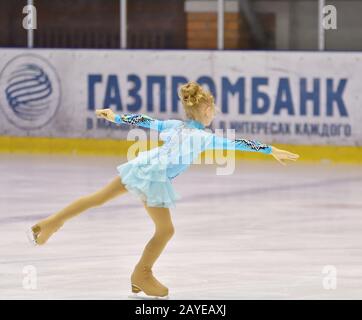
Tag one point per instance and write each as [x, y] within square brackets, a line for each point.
[164, 230]
[161, 217]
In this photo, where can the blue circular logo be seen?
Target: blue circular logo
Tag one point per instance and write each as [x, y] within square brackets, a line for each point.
[29, 91]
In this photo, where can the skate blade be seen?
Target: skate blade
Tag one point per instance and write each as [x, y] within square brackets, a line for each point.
[143, 296]
[31, 238]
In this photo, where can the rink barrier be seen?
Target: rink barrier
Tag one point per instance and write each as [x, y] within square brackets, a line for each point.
[291, 97]
[90, 146]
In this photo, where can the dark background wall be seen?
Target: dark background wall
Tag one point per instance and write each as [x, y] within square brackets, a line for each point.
[156, 24]
[95, 24]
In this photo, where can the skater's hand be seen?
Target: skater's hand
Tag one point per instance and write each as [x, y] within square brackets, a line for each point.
[107, 114]
[282, 155]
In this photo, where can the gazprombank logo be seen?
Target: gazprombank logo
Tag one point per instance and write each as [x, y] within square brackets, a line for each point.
[30, 91]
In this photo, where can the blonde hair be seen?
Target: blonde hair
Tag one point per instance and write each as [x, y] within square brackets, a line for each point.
[192, 95]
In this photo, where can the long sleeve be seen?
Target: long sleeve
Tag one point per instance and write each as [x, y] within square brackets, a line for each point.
[145, 121]
[217, 142]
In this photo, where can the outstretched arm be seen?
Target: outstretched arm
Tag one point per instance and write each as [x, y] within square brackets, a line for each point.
[136, 119]
[217, 142]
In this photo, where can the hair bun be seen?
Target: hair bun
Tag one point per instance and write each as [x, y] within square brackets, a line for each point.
[190, 93]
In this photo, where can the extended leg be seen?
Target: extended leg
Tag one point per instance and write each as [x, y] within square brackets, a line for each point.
[45, 228]
[142, 277]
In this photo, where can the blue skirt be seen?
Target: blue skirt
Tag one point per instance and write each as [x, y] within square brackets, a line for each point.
[148, 181]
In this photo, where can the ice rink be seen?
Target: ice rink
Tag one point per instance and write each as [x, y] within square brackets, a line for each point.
[265, 232]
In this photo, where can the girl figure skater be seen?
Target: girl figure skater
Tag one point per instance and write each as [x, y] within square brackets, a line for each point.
[149, 176]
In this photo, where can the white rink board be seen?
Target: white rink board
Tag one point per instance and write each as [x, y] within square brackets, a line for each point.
[284, 97]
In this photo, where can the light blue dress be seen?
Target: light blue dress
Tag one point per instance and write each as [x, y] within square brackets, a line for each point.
[149, 175]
